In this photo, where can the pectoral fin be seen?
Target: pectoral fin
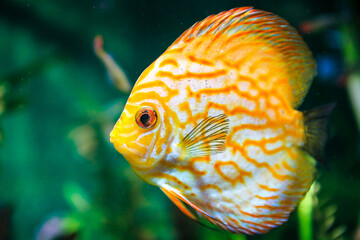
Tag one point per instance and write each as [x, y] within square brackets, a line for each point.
[208, 137]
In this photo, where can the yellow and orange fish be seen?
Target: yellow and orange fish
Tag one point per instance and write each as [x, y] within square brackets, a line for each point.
[213, 121]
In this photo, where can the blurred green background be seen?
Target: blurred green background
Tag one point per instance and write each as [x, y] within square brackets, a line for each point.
[60, 178]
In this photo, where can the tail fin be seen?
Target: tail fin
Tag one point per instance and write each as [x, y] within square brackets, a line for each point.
[316, 130]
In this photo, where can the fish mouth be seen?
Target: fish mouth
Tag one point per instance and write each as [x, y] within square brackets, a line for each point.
[112, 136]
[135, 153]
[120, 145]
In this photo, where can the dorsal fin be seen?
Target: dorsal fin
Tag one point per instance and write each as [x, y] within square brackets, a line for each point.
[220, 34]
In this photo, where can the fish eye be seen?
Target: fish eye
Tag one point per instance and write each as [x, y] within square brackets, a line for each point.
[146, 117]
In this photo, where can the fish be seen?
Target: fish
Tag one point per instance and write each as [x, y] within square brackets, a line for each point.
[214, 122]
[115, 72]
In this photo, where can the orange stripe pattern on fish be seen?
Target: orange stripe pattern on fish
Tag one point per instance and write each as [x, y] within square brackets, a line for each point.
[213, 123]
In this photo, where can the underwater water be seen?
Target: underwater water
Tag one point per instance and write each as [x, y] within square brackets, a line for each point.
[61, 178]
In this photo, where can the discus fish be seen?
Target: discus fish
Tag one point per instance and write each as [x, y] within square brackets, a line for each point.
[213, 121]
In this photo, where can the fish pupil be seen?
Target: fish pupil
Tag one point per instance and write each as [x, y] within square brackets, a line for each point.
[145, 119]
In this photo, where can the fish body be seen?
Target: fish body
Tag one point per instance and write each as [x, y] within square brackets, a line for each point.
[213, 121]
[116, 74]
